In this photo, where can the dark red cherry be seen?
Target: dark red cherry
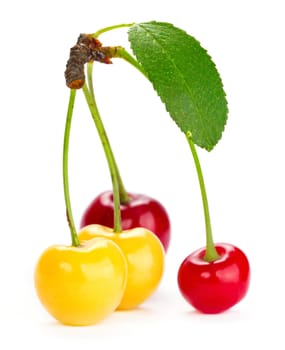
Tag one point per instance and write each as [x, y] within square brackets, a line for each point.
[141, 211]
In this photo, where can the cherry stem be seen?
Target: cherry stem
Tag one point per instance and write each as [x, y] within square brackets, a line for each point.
[115, 177]
[120, 52]
[124, 197]
[74, 237]
[107, 29]
[211, 252]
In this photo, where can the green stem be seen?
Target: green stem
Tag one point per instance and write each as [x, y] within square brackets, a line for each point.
[109, 156]
[211, 252]
[122, 53]
[107, 29]
[124, 197]
[74, 237]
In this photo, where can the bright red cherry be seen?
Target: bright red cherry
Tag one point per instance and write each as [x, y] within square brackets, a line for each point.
[141, 211]
[213, 287]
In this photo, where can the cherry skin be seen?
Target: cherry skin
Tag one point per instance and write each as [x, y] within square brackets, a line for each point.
[141, 211]
[214, 287]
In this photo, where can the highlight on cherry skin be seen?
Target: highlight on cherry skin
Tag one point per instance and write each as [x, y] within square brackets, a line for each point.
[140, 211]
[214, 287]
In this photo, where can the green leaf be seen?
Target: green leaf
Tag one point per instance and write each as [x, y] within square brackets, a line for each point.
[185, 78]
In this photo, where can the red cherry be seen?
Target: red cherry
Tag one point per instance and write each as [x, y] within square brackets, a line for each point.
[141, 211]
[213, 287]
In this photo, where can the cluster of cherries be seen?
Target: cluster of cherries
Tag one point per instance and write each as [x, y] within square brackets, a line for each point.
[209, 286]
[117, 259]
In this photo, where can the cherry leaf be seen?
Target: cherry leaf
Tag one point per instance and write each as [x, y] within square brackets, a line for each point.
[185, 78]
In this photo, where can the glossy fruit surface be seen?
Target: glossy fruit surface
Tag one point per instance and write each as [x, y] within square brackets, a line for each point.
[213, 287]
[141, 211]
[81, 285]
[145, 258]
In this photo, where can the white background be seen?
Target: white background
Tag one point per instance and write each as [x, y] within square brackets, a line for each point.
[244, 174]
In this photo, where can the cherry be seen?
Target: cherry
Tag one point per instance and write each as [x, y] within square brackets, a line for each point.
[215, 286]
[139, 211]
[216, 277]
